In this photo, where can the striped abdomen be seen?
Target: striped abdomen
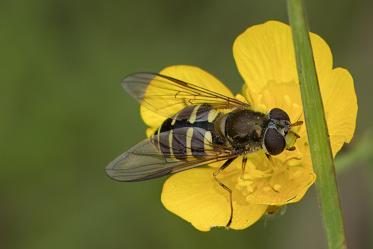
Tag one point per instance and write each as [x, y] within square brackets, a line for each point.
[190, 133]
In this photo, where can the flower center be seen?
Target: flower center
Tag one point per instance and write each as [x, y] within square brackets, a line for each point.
[263, 179]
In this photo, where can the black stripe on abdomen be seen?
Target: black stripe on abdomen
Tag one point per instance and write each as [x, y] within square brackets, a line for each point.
[179, 143]
[166, 125]
[185, 113]
[164, 143]
[197, 142]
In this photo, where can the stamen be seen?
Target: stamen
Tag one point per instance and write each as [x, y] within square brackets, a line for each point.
[250, 189]
[277, 187]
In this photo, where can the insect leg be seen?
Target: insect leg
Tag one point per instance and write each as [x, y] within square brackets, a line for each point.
[216, 173]
[244, 161]
[292, 148]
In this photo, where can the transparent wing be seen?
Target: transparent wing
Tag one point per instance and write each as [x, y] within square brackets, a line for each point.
[162, 94]
[155, 157]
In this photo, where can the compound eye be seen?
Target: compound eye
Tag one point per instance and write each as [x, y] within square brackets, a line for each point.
[274, 142]
[278, 114]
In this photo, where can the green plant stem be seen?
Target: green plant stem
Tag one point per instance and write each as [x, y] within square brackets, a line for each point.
[322, 158]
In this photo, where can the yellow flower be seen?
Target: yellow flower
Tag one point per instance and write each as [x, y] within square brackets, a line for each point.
[265, 58]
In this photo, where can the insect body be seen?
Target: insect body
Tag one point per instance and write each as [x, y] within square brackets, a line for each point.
[197, 130]
[208, 127]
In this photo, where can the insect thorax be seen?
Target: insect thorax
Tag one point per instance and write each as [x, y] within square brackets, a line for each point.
[245, 129]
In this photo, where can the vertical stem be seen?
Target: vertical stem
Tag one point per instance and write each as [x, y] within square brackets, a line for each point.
[322, 158]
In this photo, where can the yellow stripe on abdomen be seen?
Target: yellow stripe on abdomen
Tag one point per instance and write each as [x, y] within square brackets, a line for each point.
[213, 113]
[207, 142]
[193, 116]
[170, 138]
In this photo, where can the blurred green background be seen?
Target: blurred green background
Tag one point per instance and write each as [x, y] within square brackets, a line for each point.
[64, 116]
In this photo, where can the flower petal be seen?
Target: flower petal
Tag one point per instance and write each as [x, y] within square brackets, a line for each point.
[190, 74]
[264, 54]
[195, 196]
[340, 105]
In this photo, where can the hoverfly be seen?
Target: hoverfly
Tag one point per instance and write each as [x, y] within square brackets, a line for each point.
[209, 127]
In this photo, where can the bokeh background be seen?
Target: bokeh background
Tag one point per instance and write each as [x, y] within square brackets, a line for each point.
[64, 116]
